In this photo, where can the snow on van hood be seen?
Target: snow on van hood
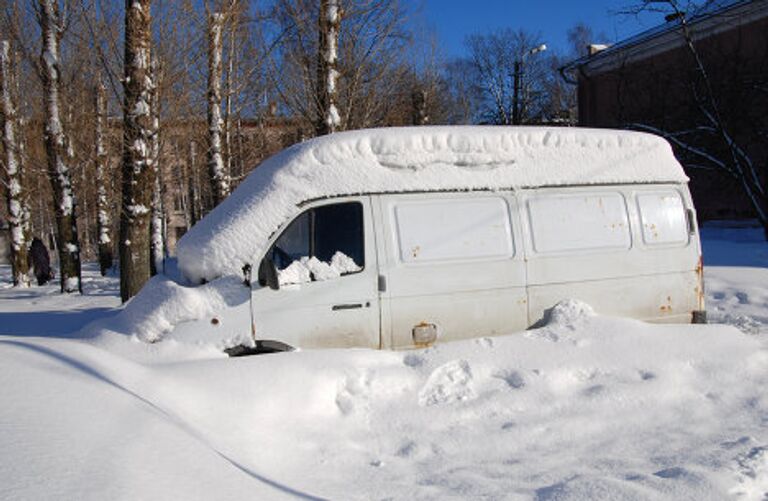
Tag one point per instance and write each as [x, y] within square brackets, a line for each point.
[413, 159]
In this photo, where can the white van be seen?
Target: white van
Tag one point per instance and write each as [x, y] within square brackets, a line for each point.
[396, 238]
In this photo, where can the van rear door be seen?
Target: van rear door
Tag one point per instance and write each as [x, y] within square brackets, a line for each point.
[625, 250]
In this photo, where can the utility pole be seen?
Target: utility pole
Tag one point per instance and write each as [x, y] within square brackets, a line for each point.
[516, 94]
[517, 82]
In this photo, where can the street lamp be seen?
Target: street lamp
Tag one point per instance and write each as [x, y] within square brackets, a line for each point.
[517, 77]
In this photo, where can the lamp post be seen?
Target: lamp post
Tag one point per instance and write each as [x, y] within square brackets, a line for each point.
[516, 83]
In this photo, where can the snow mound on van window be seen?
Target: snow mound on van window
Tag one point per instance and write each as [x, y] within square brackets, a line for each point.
[413, 159]
[295, 273]
[344, 264]
[306, 269]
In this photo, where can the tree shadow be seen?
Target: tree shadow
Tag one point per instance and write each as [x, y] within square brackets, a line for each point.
[66, 324]
[734, 243]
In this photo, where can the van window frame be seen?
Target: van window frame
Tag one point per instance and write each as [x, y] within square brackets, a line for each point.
[577, 191]
[443, 196]
[656, 189]
[310, 207]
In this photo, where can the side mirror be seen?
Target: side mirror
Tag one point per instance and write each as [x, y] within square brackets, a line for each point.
[247, 275]
[268, 274]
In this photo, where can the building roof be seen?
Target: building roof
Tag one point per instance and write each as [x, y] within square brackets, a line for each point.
[413, 159]
[714, 16]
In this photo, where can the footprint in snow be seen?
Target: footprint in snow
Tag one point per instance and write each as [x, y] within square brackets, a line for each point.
[730, 444]
[513, 379]
[743, 297]
[352, 388]
[674, 472]
[451, 382]
[752, 474]
[408, 449]
[485, 342]
[413, 360]
[595, 390]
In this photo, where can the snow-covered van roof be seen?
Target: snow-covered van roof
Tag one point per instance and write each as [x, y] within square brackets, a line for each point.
[414, 159]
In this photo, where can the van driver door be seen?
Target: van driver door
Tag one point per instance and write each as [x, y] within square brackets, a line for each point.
[327, 270]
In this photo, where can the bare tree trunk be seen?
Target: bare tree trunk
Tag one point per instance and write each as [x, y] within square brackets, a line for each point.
[157, 240]
[138, 171]
[103, 224]
[56, 149]
[26, 221]
[419, 101]
[228, 90]
[219, 178]
[156, 246]
[193, 214]
[14, 170]
[328, 119]
[239, 168]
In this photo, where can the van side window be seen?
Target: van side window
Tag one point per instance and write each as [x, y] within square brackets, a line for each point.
[578, 222]
[448, 229]
[323, 240]
[663, 218]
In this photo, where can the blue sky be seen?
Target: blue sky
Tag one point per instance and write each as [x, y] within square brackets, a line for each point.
[453, 20]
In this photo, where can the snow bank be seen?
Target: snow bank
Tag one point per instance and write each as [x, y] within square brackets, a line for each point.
[587, 407]
[163, 304]
[413, 159]
[568, 311]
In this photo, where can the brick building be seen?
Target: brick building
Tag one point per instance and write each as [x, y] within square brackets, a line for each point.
[652, 82]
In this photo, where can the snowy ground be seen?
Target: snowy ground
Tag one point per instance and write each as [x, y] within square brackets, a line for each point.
[585, 408]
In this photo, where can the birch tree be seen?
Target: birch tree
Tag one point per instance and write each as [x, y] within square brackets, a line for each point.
[16, 197]
[229, 89]
[52, 27]
[137, 169]
[328, 119]
[194, 209]
[157, 240]
[219, 178]
[368, 56]
[103, 223]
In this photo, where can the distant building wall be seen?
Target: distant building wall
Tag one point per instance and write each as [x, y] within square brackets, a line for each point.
[654, 81]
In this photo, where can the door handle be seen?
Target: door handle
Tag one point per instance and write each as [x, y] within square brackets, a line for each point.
[352, 306]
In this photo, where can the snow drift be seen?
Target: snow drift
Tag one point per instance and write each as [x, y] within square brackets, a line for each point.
[413, 159]
[586, 407]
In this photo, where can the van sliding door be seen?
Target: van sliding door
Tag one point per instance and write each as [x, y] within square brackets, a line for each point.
[452, 267]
